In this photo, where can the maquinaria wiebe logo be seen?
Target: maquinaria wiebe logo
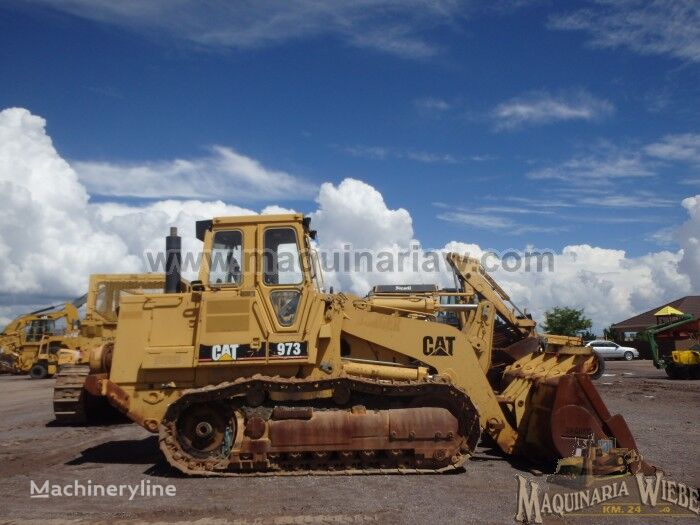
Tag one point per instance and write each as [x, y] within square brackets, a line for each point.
[639, 495]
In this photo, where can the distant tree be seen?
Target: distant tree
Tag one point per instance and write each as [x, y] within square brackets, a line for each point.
[609, 333]
[587, 335]
[562, 320]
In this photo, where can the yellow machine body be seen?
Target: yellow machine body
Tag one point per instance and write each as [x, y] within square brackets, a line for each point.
[21, 339]
[98, 326]
[70, 356]
[256, 369]
[686, 357]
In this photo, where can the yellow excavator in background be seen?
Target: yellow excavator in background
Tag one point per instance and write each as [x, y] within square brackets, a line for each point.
[97, 326]
[8, 341]
[21, 339]
[256, 370]
[68, 356]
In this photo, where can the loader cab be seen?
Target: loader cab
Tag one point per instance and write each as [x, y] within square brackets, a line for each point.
[259, 283]
[269, 251]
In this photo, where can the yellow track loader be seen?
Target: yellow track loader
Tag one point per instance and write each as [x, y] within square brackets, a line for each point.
[256, 370]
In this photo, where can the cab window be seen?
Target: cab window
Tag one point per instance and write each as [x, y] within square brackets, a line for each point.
[38, 328]
[226, 258]
[60, 326]
[448, 317]
[107, 301]
[281, 262]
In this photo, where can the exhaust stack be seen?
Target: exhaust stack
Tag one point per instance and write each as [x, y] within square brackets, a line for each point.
[173, 261]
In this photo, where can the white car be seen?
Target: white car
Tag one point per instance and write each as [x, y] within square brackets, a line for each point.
[611, 350]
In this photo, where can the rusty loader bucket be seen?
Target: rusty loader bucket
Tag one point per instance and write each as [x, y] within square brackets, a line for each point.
[556, 410]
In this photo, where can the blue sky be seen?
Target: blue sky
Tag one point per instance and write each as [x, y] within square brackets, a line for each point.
[548, 123]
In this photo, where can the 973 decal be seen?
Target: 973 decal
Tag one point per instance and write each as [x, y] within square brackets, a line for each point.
[288, 350]
[227, 352]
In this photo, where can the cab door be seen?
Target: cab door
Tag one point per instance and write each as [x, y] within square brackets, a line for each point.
[283, 284]
[227, 333]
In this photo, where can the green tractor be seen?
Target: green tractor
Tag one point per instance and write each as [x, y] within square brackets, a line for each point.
[678, 364]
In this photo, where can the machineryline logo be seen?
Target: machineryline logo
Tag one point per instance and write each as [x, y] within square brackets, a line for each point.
[77, 489]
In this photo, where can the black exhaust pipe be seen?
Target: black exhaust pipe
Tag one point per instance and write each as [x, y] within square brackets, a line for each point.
[173, 261]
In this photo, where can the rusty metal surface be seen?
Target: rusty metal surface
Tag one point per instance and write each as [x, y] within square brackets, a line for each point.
[281, 412]
[579, 413]
[92, 383]
[521, 348]
[350, 440]
[118, 398]
[393, 429]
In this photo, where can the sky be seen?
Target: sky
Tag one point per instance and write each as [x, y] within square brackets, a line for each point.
[565, 126]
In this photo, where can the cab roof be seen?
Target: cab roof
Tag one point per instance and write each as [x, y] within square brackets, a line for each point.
[241, 220]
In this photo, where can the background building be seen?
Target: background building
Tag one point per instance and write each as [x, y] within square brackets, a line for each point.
[626, 331]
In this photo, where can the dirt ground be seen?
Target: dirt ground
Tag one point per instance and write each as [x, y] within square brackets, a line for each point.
[662, 414]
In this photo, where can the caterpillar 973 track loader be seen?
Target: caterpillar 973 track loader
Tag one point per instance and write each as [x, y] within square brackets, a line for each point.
[256, 370]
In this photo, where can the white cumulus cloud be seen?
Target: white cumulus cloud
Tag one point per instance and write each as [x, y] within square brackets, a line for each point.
[607, 283]
[355, 213]
[52, 237]
[48, 244]
[689, 235]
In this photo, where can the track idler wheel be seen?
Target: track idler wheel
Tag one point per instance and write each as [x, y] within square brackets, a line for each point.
[202, 429]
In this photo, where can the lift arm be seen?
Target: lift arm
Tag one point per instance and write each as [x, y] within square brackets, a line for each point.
[475, 280]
